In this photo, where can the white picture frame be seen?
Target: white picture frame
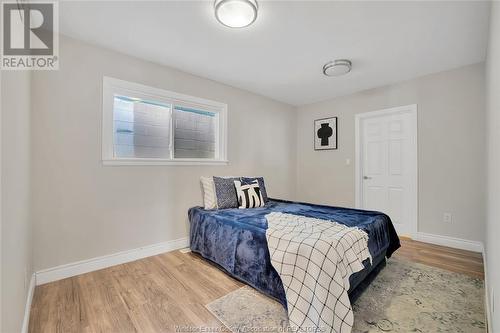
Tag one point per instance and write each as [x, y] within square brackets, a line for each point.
[325, 133]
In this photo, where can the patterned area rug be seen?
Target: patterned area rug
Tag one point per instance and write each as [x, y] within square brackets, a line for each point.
[402, 297]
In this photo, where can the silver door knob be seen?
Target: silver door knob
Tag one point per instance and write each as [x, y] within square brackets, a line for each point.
[366, 177]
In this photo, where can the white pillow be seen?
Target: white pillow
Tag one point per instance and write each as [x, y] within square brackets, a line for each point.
[209, 198]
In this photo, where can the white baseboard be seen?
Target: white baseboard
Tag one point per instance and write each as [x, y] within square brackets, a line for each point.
[456, 243]
[94, 264]
[486, 291]
[27, 307]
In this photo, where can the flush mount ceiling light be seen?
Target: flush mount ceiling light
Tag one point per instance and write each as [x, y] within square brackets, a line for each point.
[337, 67]
[236, 13]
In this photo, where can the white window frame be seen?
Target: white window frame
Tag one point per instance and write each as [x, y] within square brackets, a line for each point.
[112, 87]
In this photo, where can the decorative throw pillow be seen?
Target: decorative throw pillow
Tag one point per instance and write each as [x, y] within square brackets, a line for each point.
[262, 186]
[249, 194]
[209, 198]
[225, 192]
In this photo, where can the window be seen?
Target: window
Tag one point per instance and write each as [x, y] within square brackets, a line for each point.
[147, 126]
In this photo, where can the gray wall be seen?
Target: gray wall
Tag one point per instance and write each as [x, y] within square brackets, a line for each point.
[451, 152]
[493, 164]
[83, 209]
[16, 224]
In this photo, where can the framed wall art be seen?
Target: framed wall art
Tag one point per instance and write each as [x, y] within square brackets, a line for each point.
[325, 133]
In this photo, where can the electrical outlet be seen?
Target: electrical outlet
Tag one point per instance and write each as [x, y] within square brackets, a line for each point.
[447, 218]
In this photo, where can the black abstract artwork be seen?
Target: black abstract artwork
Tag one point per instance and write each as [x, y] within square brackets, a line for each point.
[325, 134]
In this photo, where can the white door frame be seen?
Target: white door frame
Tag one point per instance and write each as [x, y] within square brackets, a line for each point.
[1, 213]
[413, 111]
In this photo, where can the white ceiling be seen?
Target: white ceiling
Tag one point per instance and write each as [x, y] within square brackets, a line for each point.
[281, 55]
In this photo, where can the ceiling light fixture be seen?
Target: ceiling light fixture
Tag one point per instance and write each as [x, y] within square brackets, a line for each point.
[236, 13]
[337, 67]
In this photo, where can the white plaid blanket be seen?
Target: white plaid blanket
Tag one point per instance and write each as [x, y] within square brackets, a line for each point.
[315, 259]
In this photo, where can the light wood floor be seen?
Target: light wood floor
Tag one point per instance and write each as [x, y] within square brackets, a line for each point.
[157, 294]
[460, 261]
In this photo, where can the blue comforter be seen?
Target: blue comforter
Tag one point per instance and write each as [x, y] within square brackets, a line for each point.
[235, 239]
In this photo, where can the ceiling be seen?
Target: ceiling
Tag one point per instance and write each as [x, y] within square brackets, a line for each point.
[282, 54]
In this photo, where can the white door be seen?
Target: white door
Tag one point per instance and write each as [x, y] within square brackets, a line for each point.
[387, 155]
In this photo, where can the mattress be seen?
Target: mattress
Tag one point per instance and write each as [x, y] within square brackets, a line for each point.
[235, 239]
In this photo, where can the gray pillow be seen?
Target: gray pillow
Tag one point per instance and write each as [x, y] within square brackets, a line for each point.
[225, 192]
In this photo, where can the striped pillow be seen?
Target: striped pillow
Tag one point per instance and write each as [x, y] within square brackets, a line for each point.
[262, 185]
[249, 194]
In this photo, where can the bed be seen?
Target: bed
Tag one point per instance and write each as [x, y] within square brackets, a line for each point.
[235, 240]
